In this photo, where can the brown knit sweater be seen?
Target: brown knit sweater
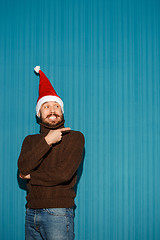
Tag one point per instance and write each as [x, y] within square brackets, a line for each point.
[53, 169]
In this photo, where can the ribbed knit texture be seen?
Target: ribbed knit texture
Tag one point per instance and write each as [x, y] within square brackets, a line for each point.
[53, 169]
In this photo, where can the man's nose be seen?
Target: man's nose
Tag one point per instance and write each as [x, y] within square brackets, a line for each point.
[52, 109]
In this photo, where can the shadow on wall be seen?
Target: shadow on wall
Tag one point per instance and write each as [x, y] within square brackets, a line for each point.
[21, 182]
[79, 173]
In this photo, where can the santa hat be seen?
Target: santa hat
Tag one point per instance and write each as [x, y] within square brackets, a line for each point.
[46, 91]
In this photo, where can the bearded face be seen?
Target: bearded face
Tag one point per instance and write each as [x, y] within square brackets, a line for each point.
[50, 113]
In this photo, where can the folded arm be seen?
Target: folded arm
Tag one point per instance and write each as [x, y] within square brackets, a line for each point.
[32, 155]
[65, 170]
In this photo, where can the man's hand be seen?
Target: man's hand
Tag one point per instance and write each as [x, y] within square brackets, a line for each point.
[55, 136]
[24, 176]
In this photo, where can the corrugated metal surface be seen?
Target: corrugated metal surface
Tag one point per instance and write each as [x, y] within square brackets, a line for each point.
[103, 58]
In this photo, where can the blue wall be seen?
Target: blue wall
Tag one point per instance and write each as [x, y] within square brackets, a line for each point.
[103, 58]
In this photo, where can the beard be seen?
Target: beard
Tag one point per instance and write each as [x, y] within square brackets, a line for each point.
[54, 123]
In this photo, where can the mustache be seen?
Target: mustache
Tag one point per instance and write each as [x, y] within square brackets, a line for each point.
[49, 115]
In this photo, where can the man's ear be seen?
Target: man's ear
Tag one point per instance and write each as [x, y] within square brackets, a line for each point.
[39, 114]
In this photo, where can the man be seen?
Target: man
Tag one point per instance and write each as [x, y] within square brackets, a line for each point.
[49, 161]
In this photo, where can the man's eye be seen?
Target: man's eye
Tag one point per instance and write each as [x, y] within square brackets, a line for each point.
[46, 107]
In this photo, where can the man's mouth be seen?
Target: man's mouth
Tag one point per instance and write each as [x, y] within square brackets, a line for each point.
[52, 117]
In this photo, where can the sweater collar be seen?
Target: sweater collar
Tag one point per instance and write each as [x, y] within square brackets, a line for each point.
[44, 128]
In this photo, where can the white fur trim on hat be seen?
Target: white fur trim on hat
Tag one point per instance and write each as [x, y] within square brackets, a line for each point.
[36, 69]
[47, 99]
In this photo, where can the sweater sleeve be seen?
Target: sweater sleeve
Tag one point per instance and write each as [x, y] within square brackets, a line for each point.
[64, 171]
[32, 154]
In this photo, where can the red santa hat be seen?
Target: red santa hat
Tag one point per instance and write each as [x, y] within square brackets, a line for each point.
[46, 91]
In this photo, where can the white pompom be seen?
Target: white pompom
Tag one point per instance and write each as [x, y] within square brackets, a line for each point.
[36, 69]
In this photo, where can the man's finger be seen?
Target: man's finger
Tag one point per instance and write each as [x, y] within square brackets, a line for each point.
[25, 176]
[67, 129]
[20, 175]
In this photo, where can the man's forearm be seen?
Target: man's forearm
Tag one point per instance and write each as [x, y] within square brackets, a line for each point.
[31, 156]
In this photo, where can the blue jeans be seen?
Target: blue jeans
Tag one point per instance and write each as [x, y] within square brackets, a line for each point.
[49, 224]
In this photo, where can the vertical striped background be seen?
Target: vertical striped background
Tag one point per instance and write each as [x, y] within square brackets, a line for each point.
[103, 58]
